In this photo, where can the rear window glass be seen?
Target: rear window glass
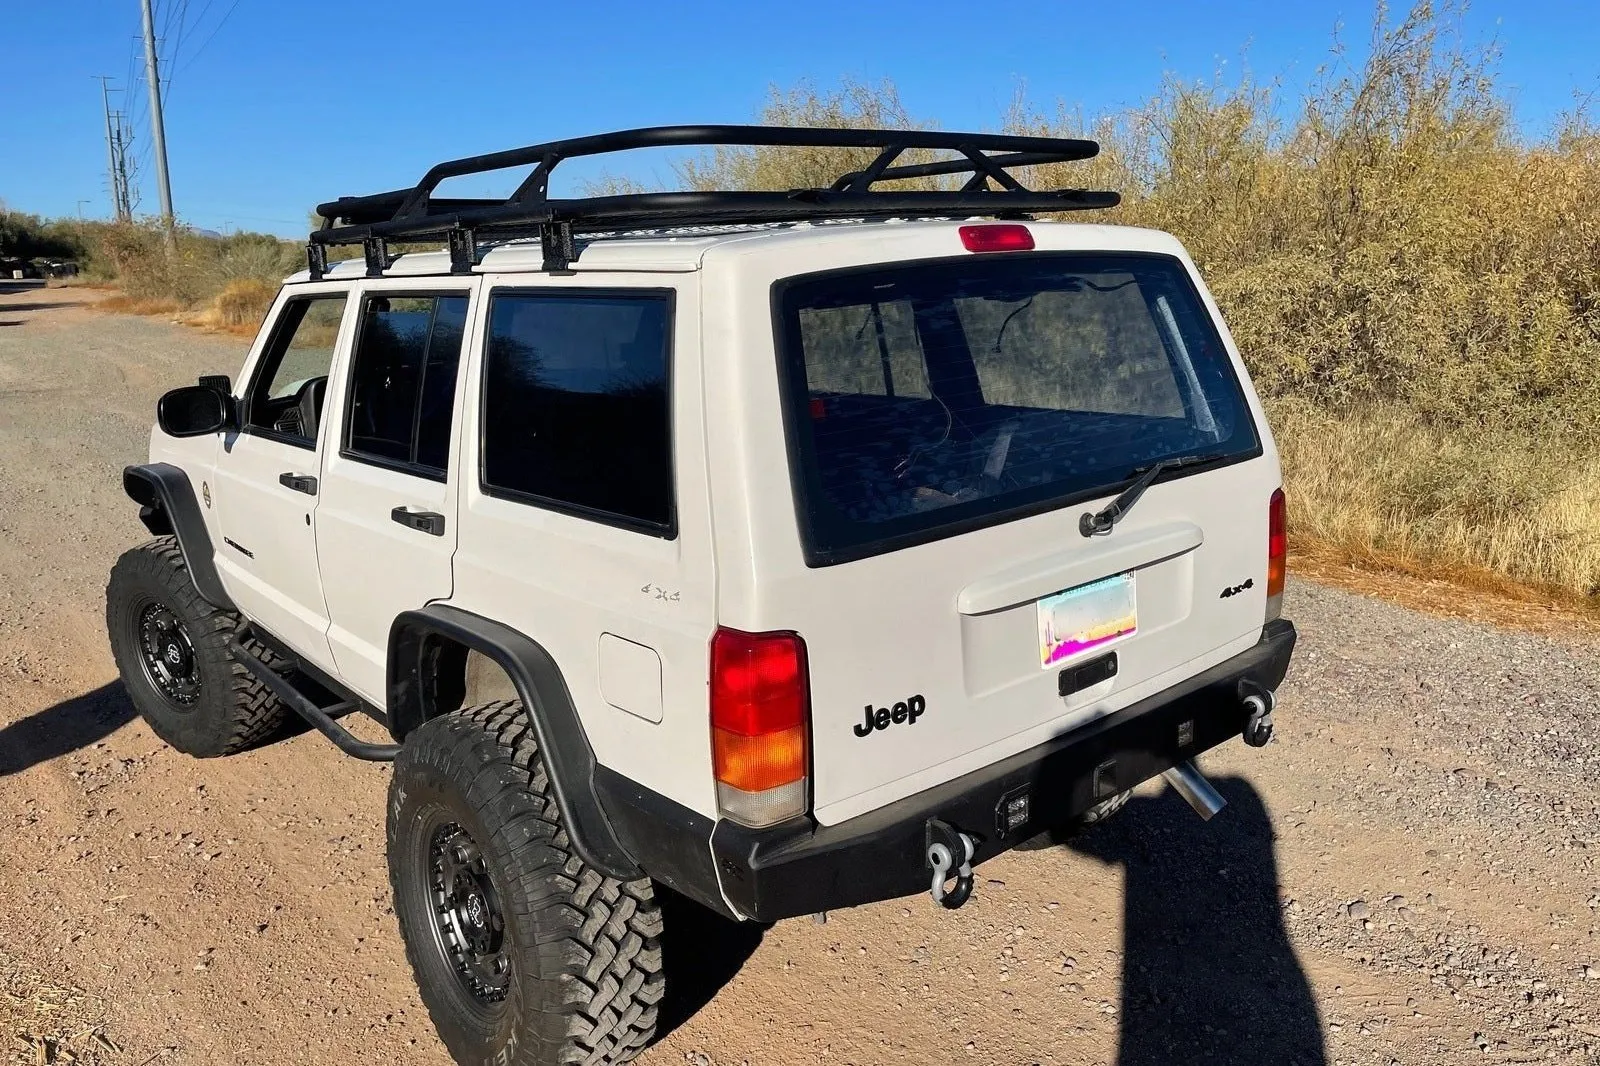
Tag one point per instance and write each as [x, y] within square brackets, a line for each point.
[932, 398]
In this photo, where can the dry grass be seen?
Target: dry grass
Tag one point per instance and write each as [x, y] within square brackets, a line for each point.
[1387, 487]
[220, 284]
[43, 1022]
[242, 305]
[1476, 596]
[123, 304]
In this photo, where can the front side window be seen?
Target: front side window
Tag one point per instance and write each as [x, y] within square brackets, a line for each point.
[403, 381]
[576, 404]
[930, 398]
[285, 400]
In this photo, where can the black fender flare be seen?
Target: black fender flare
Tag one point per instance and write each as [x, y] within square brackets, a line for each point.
[167, 506]
[568, 758]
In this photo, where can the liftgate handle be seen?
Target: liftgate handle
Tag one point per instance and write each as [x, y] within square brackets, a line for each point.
[941, 859]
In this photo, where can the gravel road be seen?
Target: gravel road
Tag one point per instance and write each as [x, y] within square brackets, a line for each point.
[1406, 875]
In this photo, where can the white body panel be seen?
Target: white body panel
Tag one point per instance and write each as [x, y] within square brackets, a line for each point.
[565, 580]
[373, 568]
[278, 584]
[628, 616]
[888, 627]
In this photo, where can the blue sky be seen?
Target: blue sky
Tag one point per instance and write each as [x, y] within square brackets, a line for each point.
[275, 105]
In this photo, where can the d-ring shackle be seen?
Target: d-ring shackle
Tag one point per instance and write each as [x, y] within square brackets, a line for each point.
[941, 860]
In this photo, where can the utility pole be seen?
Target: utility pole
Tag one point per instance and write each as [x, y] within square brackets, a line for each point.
[123, 138]
[111, 152]
[158, 133]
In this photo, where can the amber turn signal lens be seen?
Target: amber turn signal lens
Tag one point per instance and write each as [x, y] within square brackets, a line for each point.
[754, 764]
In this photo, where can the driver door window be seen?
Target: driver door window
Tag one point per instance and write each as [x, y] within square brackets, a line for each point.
[286, 400]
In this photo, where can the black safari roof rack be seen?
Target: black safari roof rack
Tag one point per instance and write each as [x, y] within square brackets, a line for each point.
[416, 214]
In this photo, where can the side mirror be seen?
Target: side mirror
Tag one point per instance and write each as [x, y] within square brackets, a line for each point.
[194, 411]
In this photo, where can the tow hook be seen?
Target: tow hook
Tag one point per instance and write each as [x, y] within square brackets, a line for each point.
[1258, 726]
[945, 843]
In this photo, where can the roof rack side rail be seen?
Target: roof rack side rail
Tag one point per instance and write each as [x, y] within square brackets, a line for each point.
[992, 190]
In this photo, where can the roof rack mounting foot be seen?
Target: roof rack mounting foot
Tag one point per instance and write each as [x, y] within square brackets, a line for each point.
[559, 247]
[316, 260]
[463, 245]
[378, 257]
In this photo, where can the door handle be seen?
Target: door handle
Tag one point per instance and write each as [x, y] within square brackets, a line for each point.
[299, 482]
[431, 522]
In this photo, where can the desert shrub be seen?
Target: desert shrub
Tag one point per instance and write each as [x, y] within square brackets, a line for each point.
[244, 302]
[200, 268]
[31, 237]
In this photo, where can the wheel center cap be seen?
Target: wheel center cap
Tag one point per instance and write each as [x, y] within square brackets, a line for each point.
[174, 654]
[475, 913]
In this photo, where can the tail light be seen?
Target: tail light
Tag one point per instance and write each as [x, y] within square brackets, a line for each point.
[1277, 553]
[999, 237]
[760, 725]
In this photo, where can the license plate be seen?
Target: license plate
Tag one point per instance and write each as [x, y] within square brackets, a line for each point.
[1085, 618]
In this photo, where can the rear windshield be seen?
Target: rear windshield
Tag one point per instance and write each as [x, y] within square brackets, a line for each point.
[930, 399]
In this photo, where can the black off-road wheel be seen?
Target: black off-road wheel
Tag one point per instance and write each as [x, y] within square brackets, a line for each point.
[1075, 827]
[171, 647]
[524, 955]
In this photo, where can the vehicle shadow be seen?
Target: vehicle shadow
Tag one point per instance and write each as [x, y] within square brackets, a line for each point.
[64, 728]
[1209, 974]
[46, 306]
[701, 951]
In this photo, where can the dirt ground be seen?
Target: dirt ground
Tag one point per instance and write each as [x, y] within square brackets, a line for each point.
[1406, 875]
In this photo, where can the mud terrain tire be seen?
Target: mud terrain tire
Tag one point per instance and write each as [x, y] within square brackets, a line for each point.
[171, 647]
[523, 953]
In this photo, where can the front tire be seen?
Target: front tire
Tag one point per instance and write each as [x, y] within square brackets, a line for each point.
[522, 952]
[171, 647]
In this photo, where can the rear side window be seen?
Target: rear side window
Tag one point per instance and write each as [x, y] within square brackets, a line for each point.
[576, 404]
[403, 381]
[932, 398]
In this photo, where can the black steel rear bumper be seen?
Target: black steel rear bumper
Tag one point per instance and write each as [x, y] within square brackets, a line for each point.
[801, 867]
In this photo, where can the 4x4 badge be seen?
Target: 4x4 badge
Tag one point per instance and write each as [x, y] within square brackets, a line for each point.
[906, 711]
[1249, 583]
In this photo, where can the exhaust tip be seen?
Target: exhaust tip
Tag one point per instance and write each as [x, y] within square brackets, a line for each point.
[1187, 781]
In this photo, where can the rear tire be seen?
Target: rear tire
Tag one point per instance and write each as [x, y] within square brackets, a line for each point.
[522, 952]
[171, 647]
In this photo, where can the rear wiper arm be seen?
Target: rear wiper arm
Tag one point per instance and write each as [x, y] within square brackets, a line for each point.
[1096, 523]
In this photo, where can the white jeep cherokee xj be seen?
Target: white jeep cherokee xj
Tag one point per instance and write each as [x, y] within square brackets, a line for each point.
[789, 551]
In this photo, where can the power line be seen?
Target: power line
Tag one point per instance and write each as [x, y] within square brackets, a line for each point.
[199, 19]
[177, 42]
[220, 23]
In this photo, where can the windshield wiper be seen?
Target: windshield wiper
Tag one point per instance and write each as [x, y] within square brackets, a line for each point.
[1096, 523]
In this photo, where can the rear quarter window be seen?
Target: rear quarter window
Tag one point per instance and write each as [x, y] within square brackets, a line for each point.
[576, 404]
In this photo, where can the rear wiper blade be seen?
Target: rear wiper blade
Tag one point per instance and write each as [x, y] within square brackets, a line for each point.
[1096, 523]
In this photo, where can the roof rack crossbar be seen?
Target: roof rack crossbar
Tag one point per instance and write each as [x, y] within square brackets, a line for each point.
[861, 180]
[983, 165]
[415, 213]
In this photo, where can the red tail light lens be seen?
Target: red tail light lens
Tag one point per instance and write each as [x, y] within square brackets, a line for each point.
[760, 724]
[1000, 237]
[1277, 545]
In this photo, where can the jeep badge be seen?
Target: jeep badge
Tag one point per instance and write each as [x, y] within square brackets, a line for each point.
[882, 718]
